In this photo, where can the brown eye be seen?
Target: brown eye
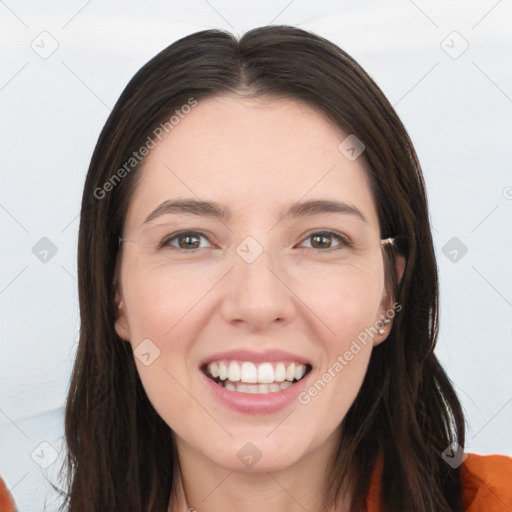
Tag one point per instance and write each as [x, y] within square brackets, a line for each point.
[320, 241]
[323, 240]
[187, 241]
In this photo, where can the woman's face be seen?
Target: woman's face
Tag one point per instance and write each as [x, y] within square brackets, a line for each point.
[256, 295]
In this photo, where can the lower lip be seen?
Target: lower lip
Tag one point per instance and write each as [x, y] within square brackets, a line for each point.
[252, 403]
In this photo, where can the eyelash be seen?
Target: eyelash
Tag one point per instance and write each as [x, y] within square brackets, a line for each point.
[343, 240]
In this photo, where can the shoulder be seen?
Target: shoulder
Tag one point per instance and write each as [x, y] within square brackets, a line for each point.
[6, 502]
[487, 483]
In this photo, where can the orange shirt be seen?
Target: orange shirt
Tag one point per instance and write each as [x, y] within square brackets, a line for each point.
[6, 503]
[486, 486]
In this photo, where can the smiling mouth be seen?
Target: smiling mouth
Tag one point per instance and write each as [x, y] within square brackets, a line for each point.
[249, 377]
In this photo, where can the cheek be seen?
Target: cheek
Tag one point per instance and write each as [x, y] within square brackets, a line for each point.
[158, 302]
[347, 304]
[163, 312]
[161, 317]
[345, 297]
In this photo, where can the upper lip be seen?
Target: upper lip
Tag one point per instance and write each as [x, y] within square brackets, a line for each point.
[256, 357]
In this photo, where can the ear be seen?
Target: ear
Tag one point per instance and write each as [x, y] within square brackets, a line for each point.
[121, 325]
[388, 307]
[400, 267]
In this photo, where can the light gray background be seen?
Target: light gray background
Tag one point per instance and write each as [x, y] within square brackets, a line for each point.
[456, 106]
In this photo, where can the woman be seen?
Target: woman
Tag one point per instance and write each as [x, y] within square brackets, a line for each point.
[259, 296]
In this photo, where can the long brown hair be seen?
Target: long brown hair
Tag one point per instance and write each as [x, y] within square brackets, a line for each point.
[121, 454]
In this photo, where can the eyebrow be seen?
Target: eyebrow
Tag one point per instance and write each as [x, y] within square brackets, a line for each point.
[223, 212]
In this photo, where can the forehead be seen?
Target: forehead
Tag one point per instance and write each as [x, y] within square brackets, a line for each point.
[256, 155]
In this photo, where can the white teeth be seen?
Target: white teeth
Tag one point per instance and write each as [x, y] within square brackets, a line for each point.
[263, 388]
[249, 372]
[280, 372]
[265, 373]
[214, 370]
[300, 370]
[290, 372]
[223, 371]
[234, 371]
[257, 389]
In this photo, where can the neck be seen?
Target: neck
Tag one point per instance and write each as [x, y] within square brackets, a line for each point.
[200, 485]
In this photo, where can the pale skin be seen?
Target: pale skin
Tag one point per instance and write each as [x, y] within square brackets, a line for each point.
[256, 157]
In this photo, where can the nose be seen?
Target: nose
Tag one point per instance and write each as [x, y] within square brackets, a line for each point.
[256, 294]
